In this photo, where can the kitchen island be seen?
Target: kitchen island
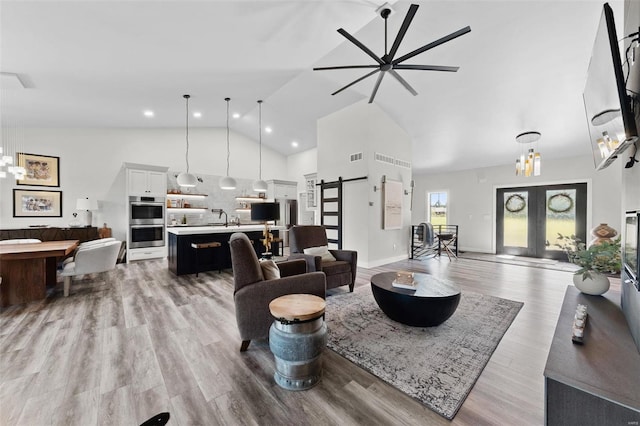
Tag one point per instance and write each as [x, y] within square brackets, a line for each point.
[182, 256]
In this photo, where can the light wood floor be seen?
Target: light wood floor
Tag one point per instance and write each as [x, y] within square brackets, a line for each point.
[137, 341]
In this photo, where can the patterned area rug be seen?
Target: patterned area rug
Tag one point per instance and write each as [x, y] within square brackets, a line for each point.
[438, 366]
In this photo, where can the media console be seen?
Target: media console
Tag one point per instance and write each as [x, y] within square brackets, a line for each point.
[598, 382]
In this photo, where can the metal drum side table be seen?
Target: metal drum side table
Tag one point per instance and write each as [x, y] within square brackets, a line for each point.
[297, 338]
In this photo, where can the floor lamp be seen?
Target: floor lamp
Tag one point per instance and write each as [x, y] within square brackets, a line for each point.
[266, 212]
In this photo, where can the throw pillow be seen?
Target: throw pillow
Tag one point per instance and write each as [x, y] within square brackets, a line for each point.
[270, 270]
[322, 251]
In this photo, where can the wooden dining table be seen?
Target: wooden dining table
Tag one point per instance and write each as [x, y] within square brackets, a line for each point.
[27, 269]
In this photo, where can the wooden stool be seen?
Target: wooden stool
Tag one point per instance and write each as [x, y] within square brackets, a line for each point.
[297, 338]
[198, 246]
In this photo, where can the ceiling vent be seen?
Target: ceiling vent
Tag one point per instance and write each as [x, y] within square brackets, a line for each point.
[355, 157]
[403, 163]
[384, 158]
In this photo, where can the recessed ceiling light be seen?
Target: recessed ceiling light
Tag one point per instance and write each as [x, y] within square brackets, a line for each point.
[268, 129]
[197, 114]
[148, 113]
[294, 144]
[236, 115]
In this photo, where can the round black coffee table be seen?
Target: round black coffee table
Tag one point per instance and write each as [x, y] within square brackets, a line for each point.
[432, 303]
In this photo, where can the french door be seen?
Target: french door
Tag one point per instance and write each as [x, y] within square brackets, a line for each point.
[530, 218]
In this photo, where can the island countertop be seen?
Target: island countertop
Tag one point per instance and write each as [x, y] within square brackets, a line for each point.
[218, 229]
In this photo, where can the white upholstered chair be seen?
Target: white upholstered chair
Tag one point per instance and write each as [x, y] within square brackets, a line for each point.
[91, 259]
[87, 244]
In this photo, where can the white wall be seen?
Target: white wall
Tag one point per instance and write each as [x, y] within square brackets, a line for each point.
[300, 164]
[365, 128]
[91, 165]
[472, 196]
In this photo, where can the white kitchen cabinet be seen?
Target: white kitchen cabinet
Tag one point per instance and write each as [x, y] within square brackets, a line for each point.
[282, 190]
[147, 182]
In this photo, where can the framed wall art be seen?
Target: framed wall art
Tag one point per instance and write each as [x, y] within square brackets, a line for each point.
[34, 203]
[40, 170]
[392, 195]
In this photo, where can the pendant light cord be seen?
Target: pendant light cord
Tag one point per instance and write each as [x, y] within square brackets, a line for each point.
[187, 154]
[260, 136]
[228, 151]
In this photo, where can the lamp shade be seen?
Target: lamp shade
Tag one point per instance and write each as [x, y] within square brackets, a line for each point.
[186, 179]
[227, 182]
[86, 204]
[265, 211]
[260, 186]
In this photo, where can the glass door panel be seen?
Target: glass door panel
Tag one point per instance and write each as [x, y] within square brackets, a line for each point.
[560, 216]
[516, 219]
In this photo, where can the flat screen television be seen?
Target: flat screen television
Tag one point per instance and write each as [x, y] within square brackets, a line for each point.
[630, 255]
[610, 118]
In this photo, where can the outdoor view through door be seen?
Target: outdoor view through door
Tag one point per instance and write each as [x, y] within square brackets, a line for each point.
[530, 218]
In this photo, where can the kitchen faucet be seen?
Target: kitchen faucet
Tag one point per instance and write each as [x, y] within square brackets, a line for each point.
[221, 212]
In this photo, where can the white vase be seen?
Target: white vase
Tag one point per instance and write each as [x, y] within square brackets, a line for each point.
[596, 285]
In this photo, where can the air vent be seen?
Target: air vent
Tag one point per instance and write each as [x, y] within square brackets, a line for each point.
[403, 163]
[355, 157]
[383, 158]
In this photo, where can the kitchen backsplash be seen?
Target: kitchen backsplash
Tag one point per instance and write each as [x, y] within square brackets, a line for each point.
[216, 199]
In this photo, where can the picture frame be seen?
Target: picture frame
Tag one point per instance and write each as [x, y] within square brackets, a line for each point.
[37, 203]
[392, 204]
[40, 170]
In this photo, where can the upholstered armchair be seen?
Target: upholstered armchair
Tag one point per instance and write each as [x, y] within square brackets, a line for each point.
[253, 292]
[308, 242]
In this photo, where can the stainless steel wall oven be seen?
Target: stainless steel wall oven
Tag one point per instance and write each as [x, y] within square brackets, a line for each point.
[146, 210]
[146, 222]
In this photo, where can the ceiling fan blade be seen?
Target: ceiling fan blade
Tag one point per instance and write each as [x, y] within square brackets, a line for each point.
[364, 48]
[426, 67]
[345, 67]
[375, 88]
[403, 82]
[433, 44]
[356, 81]
[403, 30]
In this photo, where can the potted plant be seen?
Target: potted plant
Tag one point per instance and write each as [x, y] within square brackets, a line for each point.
[595, 261]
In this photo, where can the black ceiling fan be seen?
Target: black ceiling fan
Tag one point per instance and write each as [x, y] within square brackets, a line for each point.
[386, 63]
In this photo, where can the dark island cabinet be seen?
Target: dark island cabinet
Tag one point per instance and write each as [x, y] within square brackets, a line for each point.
[184, 259]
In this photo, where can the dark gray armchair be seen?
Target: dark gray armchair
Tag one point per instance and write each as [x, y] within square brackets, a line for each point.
[339, 272]
[252, 293]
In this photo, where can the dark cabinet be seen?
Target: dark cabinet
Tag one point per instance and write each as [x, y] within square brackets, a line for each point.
[183, 259]
[51, 234]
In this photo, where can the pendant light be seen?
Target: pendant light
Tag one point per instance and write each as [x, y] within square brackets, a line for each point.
[228, 182]
[187, 179]
[260, 185]
[528, 164]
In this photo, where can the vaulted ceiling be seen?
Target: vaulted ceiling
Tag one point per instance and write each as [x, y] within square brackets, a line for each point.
[102, 63]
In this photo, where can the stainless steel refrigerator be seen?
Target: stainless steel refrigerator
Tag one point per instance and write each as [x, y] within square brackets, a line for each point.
[288, 217]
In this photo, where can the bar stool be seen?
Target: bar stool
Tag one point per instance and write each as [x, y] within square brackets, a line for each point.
[198, 246]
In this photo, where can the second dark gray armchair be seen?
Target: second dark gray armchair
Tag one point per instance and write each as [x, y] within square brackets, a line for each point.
[252, 293]
[339, 272]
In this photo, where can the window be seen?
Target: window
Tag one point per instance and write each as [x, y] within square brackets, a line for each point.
[437, 207]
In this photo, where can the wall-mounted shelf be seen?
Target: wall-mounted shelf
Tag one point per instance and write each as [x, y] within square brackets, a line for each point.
[251, 199]
[187, 195]
[186, 208]
[243, 210]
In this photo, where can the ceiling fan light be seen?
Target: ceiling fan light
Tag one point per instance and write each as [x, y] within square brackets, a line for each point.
[260, 186]
[227, 183]
[187, 180]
